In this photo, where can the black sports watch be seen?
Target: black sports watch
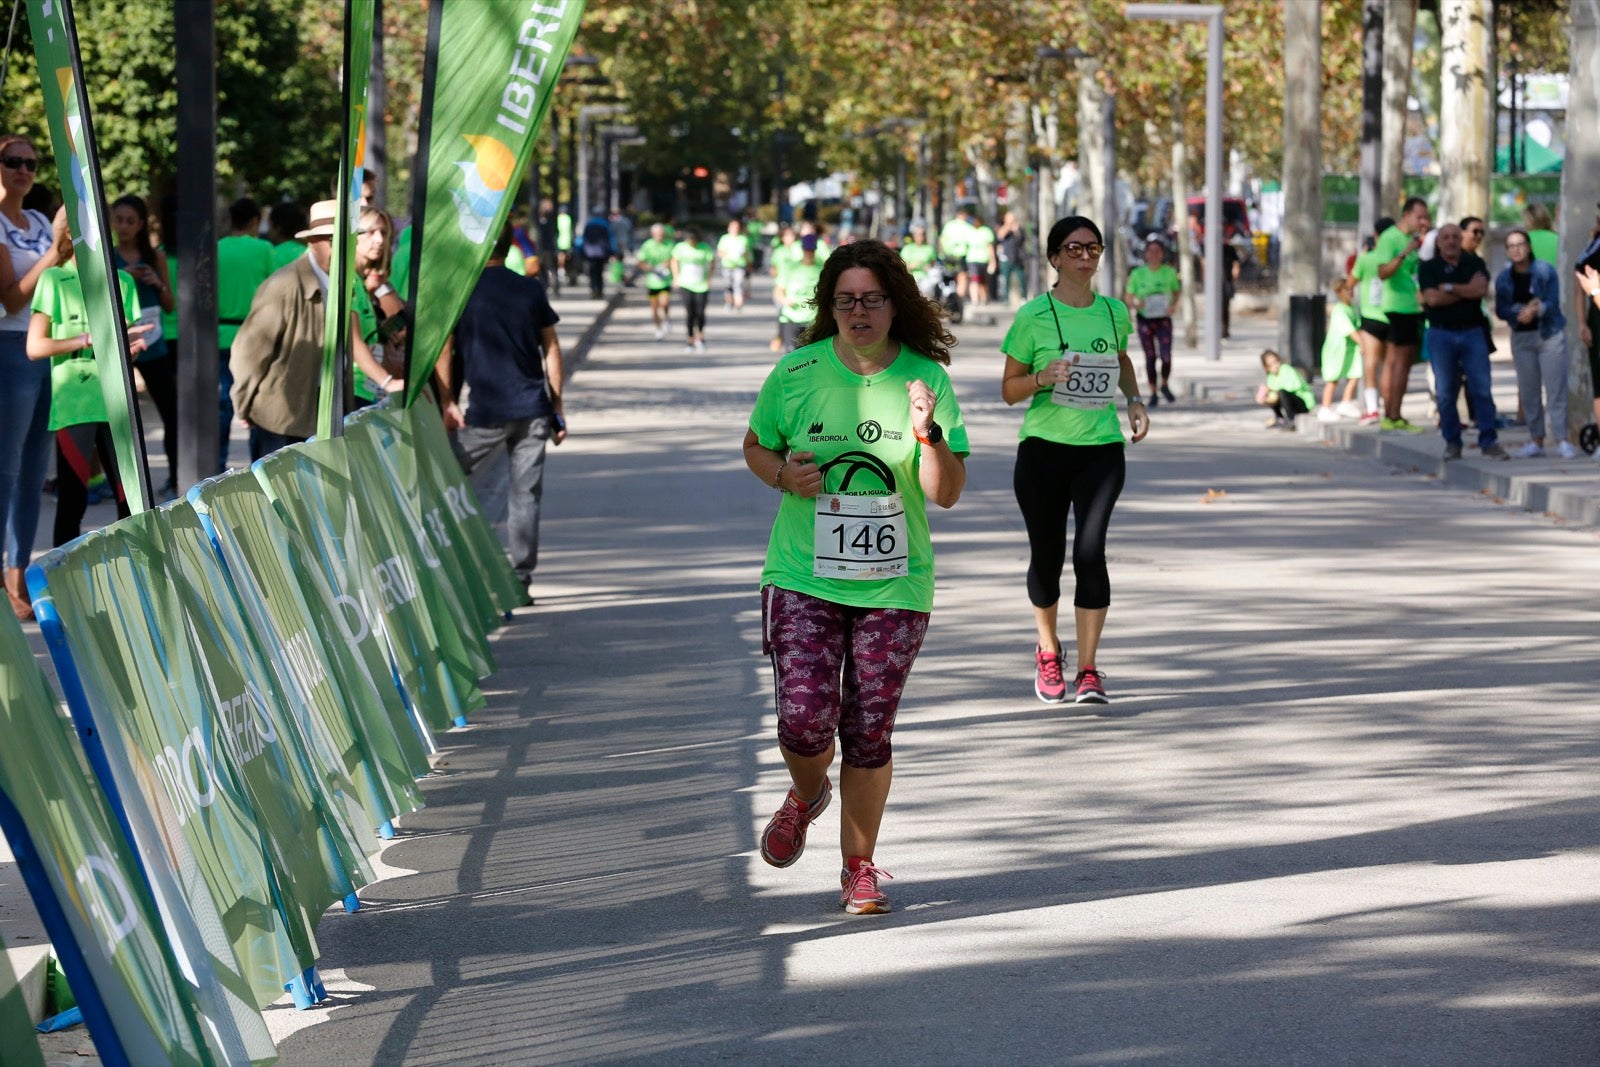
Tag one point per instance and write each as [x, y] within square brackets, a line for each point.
[935, 435]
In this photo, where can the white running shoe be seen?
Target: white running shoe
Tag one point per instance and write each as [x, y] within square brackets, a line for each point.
[1531, 450]
[1349, 409]
[1327, 414]
[688, 349]
[1566, 451]
[661, 333]
[699, 346]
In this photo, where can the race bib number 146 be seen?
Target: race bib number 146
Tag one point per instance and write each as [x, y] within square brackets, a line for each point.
[860, 537]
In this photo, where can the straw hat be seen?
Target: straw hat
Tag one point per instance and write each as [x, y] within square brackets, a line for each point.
[323, 214]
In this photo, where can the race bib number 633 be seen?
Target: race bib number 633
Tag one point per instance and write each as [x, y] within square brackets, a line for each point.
[1092, 383]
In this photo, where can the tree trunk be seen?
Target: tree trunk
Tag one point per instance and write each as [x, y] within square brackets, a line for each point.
[1399, 26]
[1019, 198]
[1371, 201]
[1577, 193]
[1301, 271]
[377, 166]
[1465, 132]
[1180, 222]
[1093, 159]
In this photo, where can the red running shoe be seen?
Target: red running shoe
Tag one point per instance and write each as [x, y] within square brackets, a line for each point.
[1048, 684]
[1091, 687]
[859, 893]
[785, 836]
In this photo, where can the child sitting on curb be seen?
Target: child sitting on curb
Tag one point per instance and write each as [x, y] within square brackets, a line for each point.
[1284, 391]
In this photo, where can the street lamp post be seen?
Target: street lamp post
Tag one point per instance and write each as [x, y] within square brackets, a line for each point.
[1211, 14]
[585, 113]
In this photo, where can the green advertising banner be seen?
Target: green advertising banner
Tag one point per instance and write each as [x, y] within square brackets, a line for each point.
[491, 70]
[439, 463]
[66, 104]
[460, 647]
[131, 947]
[271, 573]
[375, 584]
[126, 633]
[318, 778]
[386, 449]
[352, 164]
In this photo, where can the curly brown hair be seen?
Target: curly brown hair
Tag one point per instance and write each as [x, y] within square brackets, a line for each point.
[918, 322]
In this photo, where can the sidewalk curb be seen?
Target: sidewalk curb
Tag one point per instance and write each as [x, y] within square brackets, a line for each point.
[586, 341]
[1574, 498]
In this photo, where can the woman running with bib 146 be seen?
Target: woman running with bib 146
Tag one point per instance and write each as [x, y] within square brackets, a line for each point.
[858, 429]
[1067, 355]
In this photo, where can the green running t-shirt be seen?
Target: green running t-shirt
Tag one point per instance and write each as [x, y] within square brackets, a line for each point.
[1400, 288]
[859, 427]
[733, 250]
[1369, 287]
[243, 263]
[917, 257]
[286, 252]
[75, 396]
[654, 257]
[1034, 340]
[799, 291]
[694, 266]
[1162, 281]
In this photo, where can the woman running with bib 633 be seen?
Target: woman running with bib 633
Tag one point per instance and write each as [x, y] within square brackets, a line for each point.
[1067, 355]
[858, 429]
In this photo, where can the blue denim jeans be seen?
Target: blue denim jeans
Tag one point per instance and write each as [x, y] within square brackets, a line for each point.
[1457, 355]
[24, 444]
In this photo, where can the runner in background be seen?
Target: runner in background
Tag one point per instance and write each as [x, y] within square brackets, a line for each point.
[796, 291]
[857, 430]
[981, 264]
[733, 255]
[655, 259]
[953, 247]
[918, 256]
[783, 254]
[691, 274]
[1067, 357]
[1152, 289]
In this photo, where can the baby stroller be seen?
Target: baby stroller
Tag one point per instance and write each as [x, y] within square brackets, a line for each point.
[941, 288]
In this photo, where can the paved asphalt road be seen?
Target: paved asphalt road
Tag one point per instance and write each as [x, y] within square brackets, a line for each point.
[1343, 808]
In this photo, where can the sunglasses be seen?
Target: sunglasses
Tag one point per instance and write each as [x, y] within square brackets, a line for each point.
[1074, 250]
[27, 163]
[1476, 232]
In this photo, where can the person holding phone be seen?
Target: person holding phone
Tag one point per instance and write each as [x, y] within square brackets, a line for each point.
[1067, 358]
[157, 364]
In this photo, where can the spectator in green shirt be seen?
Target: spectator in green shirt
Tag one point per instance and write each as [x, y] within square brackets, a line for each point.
[244, 261]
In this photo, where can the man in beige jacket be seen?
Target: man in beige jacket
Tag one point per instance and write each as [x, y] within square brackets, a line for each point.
[277, 355]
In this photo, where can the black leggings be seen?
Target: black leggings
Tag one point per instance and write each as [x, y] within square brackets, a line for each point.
[1050, 481]
[161, 386]
[694, 310]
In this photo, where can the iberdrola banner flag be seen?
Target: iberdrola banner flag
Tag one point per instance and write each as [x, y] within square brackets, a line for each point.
[55, 44]
[492, 67]
[352, 164]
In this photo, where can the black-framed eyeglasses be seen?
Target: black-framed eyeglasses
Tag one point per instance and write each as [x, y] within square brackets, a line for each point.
[1476, 231]
[870, 301]
[1078, 250]
[27, 163]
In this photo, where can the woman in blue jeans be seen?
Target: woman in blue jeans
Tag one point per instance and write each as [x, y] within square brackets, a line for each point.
[29, 250]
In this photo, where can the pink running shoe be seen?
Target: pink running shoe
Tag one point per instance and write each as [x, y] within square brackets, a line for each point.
[1091, 687]
[859, 892]
[785, 836]
[1048, 684]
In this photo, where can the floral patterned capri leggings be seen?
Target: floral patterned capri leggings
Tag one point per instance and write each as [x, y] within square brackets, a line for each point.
[838, 670]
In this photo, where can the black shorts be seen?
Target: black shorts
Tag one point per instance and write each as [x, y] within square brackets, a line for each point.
[1374, 328]
[1405, 329]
